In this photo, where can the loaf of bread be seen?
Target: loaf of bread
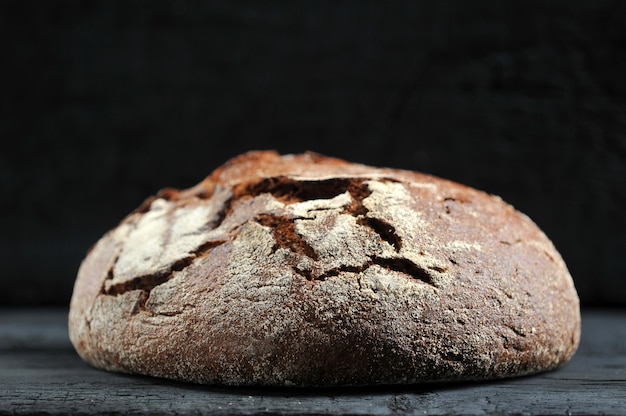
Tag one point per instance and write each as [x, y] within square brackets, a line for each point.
[304, 270]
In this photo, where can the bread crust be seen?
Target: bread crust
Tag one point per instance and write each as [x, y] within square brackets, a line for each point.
[304, 270]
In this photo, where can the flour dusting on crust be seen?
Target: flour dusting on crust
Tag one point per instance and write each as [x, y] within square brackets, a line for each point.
[311, 271]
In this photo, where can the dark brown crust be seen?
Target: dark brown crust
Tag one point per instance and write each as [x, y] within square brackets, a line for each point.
[311, 271]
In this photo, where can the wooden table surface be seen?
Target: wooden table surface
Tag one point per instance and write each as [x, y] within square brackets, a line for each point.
[41, 373]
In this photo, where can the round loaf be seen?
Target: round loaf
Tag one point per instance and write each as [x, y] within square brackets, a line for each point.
[305, 270]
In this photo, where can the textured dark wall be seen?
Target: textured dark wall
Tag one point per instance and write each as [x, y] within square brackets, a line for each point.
[103, 103]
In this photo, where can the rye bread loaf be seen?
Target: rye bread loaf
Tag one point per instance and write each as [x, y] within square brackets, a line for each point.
[311, 271]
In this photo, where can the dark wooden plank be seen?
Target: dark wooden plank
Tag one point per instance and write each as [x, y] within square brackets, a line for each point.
[40, 372]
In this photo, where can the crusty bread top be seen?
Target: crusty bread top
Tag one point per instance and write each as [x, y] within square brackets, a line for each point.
[309, 270]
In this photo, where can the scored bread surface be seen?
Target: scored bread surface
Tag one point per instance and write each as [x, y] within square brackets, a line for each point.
[311, 271]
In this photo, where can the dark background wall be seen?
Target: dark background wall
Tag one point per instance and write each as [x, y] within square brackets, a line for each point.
[105, 102]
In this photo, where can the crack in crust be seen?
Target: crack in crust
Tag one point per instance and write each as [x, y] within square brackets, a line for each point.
[401, 265]
[385, 230]
[285, 234]
[291, 191]
[288, 191]
[148, 282]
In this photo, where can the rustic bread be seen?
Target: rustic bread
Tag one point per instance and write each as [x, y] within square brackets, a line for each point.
[311, 271]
